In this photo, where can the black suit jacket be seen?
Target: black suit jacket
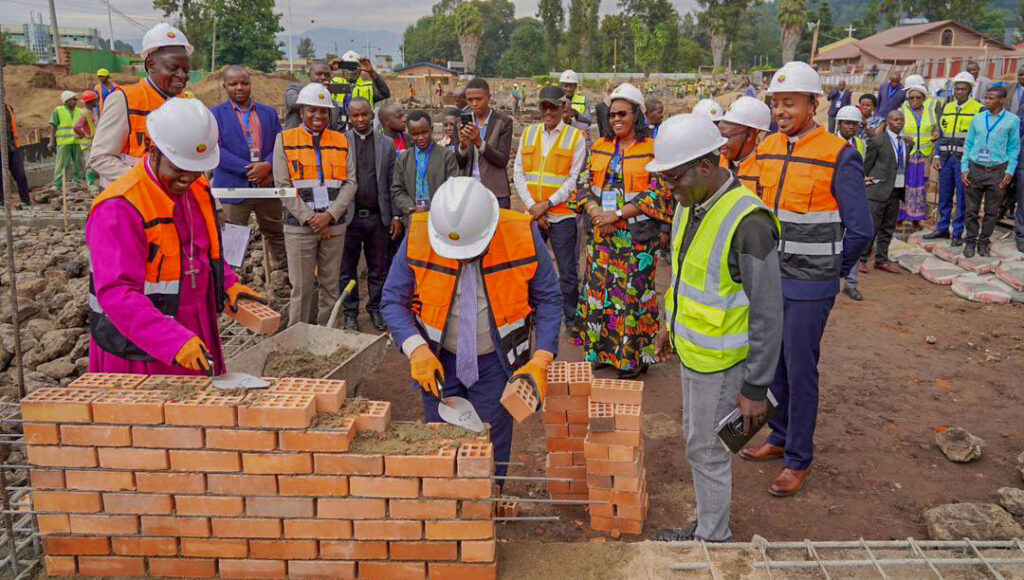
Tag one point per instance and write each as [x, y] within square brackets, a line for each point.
[836, 102]
[384, 154]
[495, 157]
[880, 164]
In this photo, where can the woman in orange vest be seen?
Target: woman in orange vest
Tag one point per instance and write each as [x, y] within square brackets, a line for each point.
[617, 315]
[16, 162]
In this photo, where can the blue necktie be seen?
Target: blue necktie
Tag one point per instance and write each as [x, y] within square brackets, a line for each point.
[466, 347]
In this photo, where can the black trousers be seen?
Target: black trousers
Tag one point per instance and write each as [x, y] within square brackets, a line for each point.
[984, 187]
[562, 237]
[505, 202]
[885, 213]
[16, 163]
[365, 236]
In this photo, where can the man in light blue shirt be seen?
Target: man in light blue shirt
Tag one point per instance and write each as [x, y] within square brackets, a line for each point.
[990, 159]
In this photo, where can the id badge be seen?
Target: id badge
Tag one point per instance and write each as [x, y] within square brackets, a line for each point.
[609, 200]
[900, 180]
[321, 199]
[254, 156]
[983, 156]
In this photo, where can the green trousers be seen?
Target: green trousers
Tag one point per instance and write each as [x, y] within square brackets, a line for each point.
[69, 157]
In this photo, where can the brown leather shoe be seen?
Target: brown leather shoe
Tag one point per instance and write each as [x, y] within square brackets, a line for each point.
[863, 267]
[763, 452]
[788, 482]
[887, 267]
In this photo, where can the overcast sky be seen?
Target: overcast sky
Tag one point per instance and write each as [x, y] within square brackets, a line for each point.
[386, 14]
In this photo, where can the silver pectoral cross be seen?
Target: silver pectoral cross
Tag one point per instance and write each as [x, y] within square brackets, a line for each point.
[192, 271]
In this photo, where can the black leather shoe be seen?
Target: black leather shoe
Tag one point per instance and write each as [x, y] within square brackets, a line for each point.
[351, 323]
[969, 250]
[956, 242]
[983, 251]
[378, 320]
[853, 293]
[936, 235]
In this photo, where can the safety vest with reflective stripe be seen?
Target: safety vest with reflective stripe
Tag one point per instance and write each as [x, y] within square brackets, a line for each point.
[165, 261]
[708, 310]
[13, 128]
[635, 178]
[954, 124]
[86, 142]
[859, 144]
[545, 174]
[921, 135]
[362, 88]
[142, 99]
[747, 171]
[66, 125]
[302, 167]
[507, 269]
[579, 103]
[99, 92]
[796, 184]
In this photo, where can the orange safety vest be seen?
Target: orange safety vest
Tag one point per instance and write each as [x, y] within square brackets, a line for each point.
[747, 171]
[142, 99]
[98, 89]
[545, 174]
[14, 128]
[795, 182]
[302, 163]
[635, 177]
[165, 261]
[507, 268]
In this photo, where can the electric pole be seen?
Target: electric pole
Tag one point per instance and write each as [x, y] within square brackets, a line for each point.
[814, 39]
[213, 47]
[110, 23]
[291, 55]
[55, 32]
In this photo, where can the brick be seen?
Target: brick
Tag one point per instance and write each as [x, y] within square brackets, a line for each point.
[424, 551]
[579, 373]
[556, 431]
[131, 458]
[553, 417]
[441, 464]
[617, 391]
[423, 509]
[258, 318]
[75, 545]
[227, 484]
[602, 510]
[633, 484]
[349, 464]
[182, 568]
[46, 478]
[558, 379]
[321, 569]
[351, 509]
[577, 431]
[476, 460]
[313, 485]
[277, 463]
[246, 527]
[205, 408]
[96, 435]
[206, 461]
[557, 487]
[283, 549]
[458, 530]
[624, 468]
[478, 550]
[602, 417]
[47, 456]
[622, 452]
[387, 529]
[170, 482]
[241, 439]
[573, 496]
[58, 405]
[599, 481]
[214, 548]
[627, 417]
[348, 550]
[111, 566]
[107, 381]
[60, 566]
[393, 570]
[193, 505]
[318, 529]
[53, 524]
[578, 458]
[138, 503]
[628, 438]
[592, 450]
[320, 441]
[613, 525]
[41, 434]
[100, 480]
[579, 390]
[330, 394]
[566, 403]
[384, 487]
[145, 546]
[375, 417]
[577, 417]
[279, 507]
[277, 411]
[104, 525]
[568, 472]
[519, 399]
[457, 488]
[446, 571]
[176, 526]
[477, 510]
[167, 437]
[562, 459]
[82, 502]
[129, 407]
[616, 497]
[253, 569]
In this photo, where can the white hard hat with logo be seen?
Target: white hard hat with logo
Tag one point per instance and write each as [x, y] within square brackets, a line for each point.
[162, 35]
[708, 108]
[570, 77]
[185, 131]
[917, 88]
[350, 56]
[850, 113]
[796, 77]
[628, 92]
[913, 80]
[964, 77]
[749, 112]
[315, 95]
[463, 218]
[683, 138]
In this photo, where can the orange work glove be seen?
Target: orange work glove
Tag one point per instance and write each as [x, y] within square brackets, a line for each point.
[426, 370]
[240, 291]
[536, 370]
[194, 356]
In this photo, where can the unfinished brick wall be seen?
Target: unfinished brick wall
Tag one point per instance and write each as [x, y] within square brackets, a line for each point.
[127, 482]
[565, 426]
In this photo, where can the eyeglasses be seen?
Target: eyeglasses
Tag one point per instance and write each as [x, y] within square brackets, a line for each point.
[618, 115]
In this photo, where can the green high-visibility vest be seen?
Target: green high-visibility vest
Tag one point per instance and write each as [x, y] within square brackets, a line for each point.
[363, 88]
[859, 143]
[579, 102]
[921, 135]
[708, 312]
[66, 126]
[954, 124]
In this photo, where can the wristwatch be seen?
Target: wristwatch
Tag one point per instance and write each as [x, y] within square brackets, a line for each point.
[618, 213]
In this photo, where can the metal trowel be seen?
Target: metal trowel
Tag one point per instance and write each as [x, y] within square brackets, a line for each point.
[458, 411]
[229, 381]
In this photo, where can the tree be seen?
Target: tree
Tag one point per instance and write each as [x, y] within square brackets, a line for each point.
[469, 25]
[14, 54]
[247, 33]
[650, 12]
[122, 46]
[583, 26]
[617, 43]
[552, 15]
[893, 11]
[792, 20]
[305, 49]
[195, 19]
[527, 54]
[648, 44]
[867, 24]
[431, 39]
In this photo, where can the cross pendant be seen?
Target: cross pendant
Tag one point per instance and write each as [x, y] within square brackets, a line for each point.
[192, 271]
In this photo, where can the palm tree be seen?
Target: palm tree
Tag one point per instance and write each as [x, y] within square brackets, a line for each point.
[792, 19]
[469, 24]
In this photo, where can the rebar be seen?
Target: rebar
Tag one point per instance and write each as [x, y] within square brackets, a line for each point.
[5, 173]
[529, 478]
[528, 519]
[8, 518]
[549, 501]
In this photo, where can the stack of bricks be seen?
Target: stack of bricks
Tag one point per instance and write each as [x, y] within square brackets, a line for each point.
[565, 427]
[614, 451]
[131, 482]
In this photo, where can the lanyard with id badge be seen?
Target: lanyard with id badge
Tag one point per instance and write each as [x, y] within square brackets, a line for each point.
[321, 199]
[422, 186]
[610, 196]
[254, 154]
[984, 155]
[898, 147]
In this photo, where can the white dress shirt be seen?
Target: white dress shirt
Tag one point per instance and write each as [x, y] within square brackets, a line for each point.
[548, 139]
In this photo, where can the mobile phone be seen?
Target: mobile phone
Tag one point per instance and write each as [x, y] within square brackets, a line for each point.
[346, 65]
[466, 118]
[339, 88]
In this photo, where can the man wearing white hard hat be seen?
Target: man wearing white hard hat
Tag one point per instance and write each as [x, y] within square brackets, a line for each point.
[724, 262]
[159, 279]
[121, 138]
[710, 109]
[742, 126]
[570, 82]
[466, 287]
[349, 82]
[64, 142]
[315, 160]
[814, 182]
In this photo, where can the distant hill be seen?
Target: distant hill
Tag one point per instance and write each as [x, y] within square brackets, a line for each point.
[339, 40]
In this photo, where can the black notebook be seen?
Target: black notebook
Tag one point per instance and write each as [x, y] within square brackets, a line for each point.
[730, 427]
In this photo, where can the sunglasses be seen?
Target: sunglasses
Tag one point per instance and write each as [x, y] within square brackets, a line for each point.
[618, 114]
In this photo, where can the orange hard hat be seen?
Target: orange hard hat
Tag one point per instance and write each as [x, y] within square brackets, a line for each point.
[89, 96]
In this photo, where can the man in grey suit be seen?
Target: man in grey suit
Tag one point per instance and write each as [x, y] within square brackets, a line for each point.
[981, 83]
[1015, 102]
[885, 169]
[373, 156]
[421, 169]
[486, 144]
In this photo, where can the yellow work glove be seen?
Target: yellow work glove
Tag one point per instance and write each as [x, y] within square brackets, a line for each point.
[194, 356]
[536, 371]
[240, 291]
[426, 370]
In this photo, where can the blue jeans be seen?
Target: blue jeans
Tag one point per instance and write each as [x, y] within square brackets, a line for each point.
[949, 178]
[562, 236]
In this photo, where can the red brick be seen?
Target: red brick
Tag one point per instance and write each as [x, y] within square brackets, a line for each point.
[519, 399]
[424, 551]
[96, 435]
[337, 440]
[278, 411]
[564, 445]
[566, 403]
[375, 417]
[253, 569]
[576, 417]
[227, 484]
[214, 548]
[578, 472]
[170, 482]
[191, 505]
[558, 460]
[445, 571]
[241, 439]
[627, 417]
[479, 551]
[176, 526]
[60, 565]
[46, 478]
[283, 549]
[206, 461]
[387, 529]
[316, 529]
[459, 530]
[313, 485]
[617, 391]
[279, 507]
[476, 460]
[553, 417]
[330, 394]
[130, 458]
[477, 510]
[352, 509]
[104, 525]
[457, 488]
[579, 373]
[145, 546]
[558, 380]
[138, 503]
[321, 569]
[58, 405]
[277, 463]
[613, 525]
[107, 381]
[628, 438]
[111, 566]
[75, 545]
[129, 407]
[247, 527]
[616, 497]
[384, 487]
[556, 431]
[602, 416]
[578, 431]
[599, 481]
[53, 524]
[100, 480]
[182, 568]
[623, 468]
[258, 318]
[393, 570]
[440, 465]
[83, 502]
[507, 508]
[411, 509]
[622, 452]
[41, 433]
[167, 437]
[205, 408]
[347, 550]
[349, 464]
[61, 456]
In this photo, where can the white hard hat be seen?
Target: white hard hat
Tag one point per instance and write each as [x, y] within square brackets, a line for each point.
[315, 95]
[185, 131]
[749, 112]
[569, 76]
[918, 88]
[850, 113]
[628, 92]
[161, 35]
[964, 77]
[683, 138]
[796, 77]
[67, 95]
[350, 56]
[463, 218]
[708, 108]
[913, 80]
